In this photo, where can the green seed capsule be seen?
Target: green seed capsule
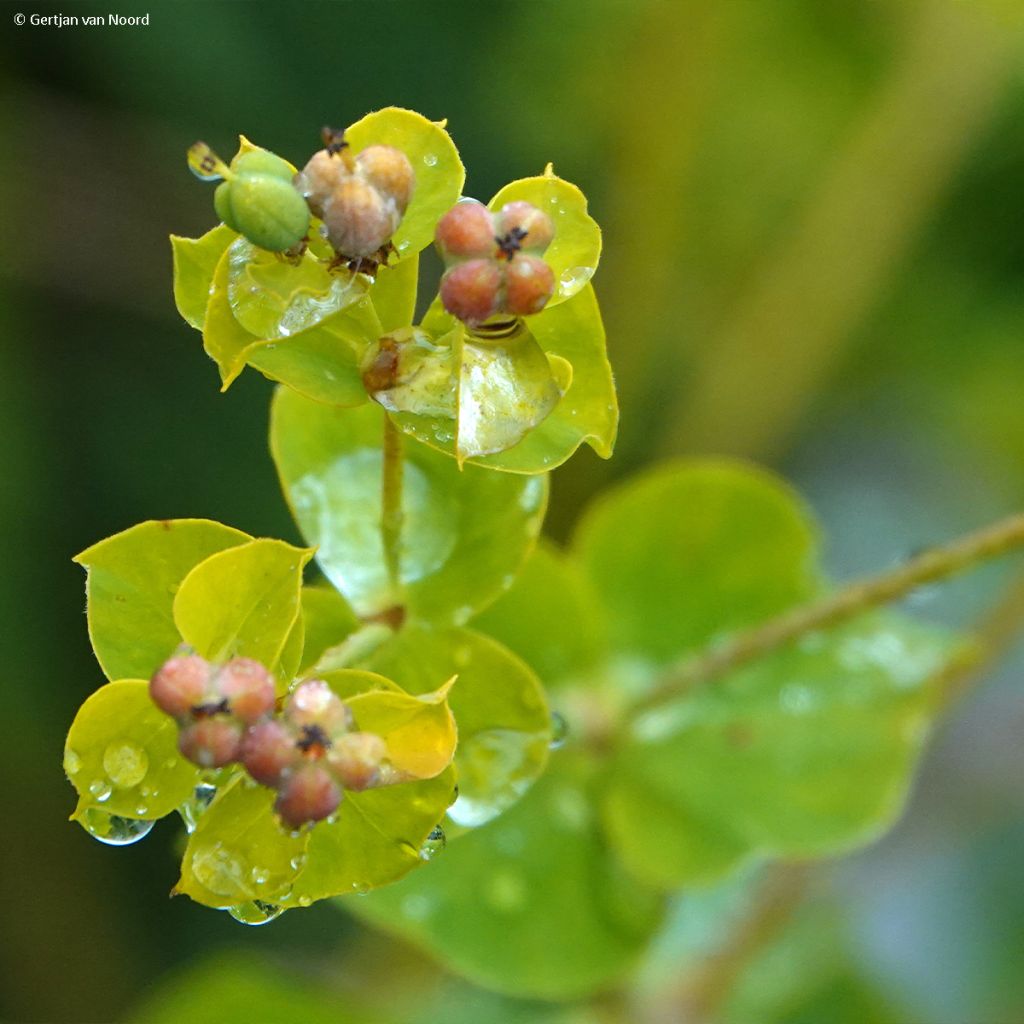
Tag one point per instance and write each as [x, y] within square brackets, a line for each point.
[256, 198]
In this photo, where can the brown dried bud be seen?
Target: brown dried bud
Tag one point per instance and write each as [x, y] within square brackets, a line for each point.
[388, 170]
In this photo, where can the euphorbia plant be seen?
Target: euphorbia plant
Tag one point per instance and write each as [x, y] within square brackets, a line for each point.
[320, 736]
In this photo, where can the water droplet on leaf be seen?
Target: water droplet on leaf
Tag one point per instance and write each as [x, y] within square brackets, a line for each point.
[100, 790]
[559, 730]
[112, 829]
[255, 912]
[125, 764]
[433, 844]
[72, 762]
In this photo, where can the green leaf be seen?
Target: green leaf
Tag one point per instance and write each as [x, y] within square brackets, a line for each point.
[464, 534]
[122, 755]
[503, 718]
[225, 340]
[394, 294]
[375, 840]
[550, 618]
[328, 621]
[273, 298]
[419, 730]
[572, 336]
[435, 161]
[243, 601]
[195, 260]
[532, 904]
[239, 850]
[692, 551]
[576, 248]
[131, 582]
[807, 752]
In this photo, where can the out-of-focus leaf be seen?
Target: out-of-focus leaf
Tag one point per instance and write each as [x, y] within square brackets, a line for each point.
[195, 260]
[131, 583]
[328, 621]
[530, 905]
[122, 755]
[464, 534]
[503, 719]
[549, 617]
[576, 248]
[243, 601]
[806, 752]
[689, 552]
[435, 162]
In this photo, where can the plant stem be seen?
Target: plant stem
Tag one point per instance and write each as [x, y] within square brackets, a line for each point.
[391, 502]
[933, 564]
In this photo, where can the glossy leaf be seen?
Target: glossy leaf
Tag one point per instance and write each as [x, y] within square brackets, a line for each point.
[503, 718]
[328, 621]
[435, 161]
[574, 252]
[243, 601]
[195, 260]
[464, 534]
[550, 618]
[131, 583]
[273, 298]
[239, 850]
[691, 551]
[419, 730]
[375, 840]
[122, 755]
[571, 335]
[531, 904]
[806, 752]
[394, 294]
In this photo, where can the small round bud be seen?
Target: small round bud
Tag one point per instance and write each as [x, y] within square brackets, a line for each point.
[268, 748]
[534, 227]
[388, 170]
[466, 231]
[308, 794]
[248, 688]
[179, 684]
[356, 759]
[314, 703]
[318, 180]
[470, 291]
[529, 283]
[358, 220]
[269, 211]
[211, 742]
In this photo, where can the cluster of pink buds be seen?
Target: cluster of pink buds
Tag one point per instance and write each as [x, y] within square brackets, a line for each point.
[493, 260]
[310, 753]
[361, 199]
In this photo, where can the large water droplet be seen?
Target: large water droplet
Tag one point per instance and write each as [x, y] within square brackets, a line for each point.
[255, 912]
[559, 730]
[219, 870]
[125, 764]
[112, 829]
[433, 844]
[72, 762]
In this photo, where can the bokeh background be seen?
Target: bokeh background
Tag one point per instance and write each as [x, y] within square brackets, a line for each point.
[814, 258]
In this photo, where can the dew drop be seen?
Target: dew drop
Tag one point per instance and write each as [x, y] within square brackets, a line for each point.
[112, 829]
[433, 844]
[125, 764]
[141, 809]
[72, 762]
[255, 912]
[100, 790]
[305, 901]
[260, 876]
[559, 730]
[430, 159]
[298, 862]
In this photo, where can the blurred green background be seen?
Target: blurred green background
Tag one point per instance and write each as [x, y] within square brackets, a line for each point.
[814, 258]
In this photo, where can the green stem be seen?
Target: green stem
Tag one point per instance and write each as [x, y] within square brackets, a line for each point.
[391, 502]
[934, 564]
